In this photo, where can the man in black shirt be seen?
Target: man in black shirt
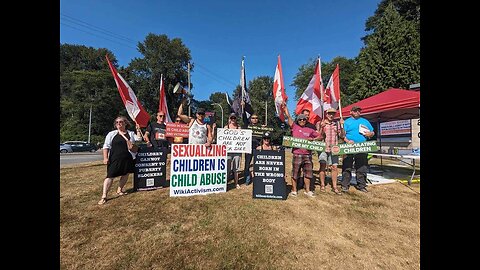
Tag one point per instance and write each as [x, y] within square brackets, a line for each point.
[155, 133]
[256, 141]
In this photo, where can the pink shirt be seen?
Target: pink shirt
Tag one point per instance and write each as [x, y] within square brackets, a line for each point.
[302, 133]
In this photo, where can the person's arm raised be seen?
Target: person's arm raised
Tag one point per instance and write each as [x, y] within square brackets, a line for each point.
[180, 114]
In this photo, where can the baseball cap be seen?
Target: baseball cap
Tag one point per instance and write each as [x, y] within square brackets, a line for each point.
[301, 116]
[331, 110]
[266, 135]
[232, 115]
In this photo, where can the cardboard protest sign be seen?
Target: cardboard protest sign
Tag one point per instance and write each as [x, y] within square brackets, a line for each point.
[236, 140]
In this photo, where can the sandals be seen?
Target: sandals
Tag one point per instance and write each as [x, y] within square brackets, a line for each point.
[336, 191]
[120, 193]
[322, 189]
[102, 201]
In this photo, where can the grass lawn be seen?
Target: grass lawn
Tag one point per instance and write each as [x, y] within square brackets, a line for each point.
[150, 230]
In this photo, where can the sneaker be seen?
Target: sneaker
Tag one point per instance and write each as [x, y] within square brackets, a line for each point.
[363, 190]
[238, 186]
[293, 193]
[344, 189]
[309, 194]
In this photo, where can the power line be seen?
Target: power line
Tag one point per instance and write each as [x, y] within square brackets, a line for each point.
[104, 32]
[215, 76]
[97, 35]
[95, 28]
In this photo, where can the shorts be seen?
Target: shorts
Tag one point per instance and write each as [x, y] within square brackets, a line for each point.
[302, 162]
[328, 158]
[236, 161]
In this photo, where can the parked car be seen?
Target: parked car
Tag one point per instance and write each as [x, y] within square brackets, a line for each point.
[65, 148]
[80, 146]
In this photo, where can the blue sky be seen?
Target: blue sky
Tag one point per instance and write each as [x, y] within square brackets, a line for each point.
[219, 32]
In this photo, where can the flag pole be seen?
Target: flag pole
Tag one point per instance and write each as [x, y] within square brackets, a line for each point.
[321, 84]
[339, 97]
[265, 112]
[243, 82]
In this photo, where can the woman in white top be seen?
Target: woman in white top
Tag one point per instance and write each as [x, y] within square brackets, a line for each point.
[119, 153]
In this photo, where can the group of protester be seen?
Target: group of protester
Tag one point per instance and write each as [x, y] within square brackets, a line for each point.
[119, 149]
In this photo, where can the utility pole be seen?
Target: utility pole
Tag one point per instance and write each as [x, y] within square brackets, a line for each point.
[189, 91]
[90, 123]
[265, 112]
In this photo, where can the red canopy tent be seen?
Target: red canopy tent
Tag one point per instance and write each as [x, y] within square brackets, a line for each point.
[389, 105]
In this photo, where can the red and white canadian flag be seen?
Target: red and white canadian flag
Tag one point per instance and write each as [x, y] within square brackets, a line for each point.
[162, 102]
[312, 96]
[279, 95]
[332, 91]
[134, 109]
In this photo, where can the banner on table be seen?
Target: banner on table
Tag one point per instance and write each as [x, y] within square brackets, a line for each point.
[303, 143]
[236, 140]
[269, 175]
[176, 130]
[363, 147]
[398, 127]
[150, 168]
[198, 170]
[258, 131]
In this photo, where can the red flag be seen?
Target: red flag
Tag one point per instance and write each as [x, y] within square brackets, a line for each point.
[311, 97]
[332, 92]
[279, 95]
[132, 105]
[162, 102]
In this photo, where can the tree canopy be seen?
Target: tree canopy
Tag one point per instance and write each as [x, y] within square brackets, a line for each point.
[161, 55]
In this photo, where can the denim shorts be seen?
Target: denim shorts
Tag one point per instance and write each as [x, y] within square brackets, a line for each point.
[328, 158]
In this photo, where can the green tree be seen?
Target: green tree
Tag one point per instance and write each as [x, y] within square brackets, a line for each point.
[408, 9]
[220, 98]
[261, 93]
[391, 57]
[80, 57]
[85, 80]
[161, 55]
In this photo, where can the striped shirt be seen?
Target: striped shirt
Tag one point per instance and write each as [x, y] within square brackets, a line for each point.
[331, 131]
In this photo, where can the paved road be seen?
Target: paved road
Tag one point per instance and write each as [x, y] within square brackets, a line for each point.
[80, 157]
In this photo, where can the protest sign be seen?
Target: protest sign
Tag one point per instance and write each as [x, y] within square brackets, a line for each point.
[303, 143]
[236, 140]
[363, 147]
[269, 174]
[257, 131]
[177, 130]
[150, 168]
[198, 170]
